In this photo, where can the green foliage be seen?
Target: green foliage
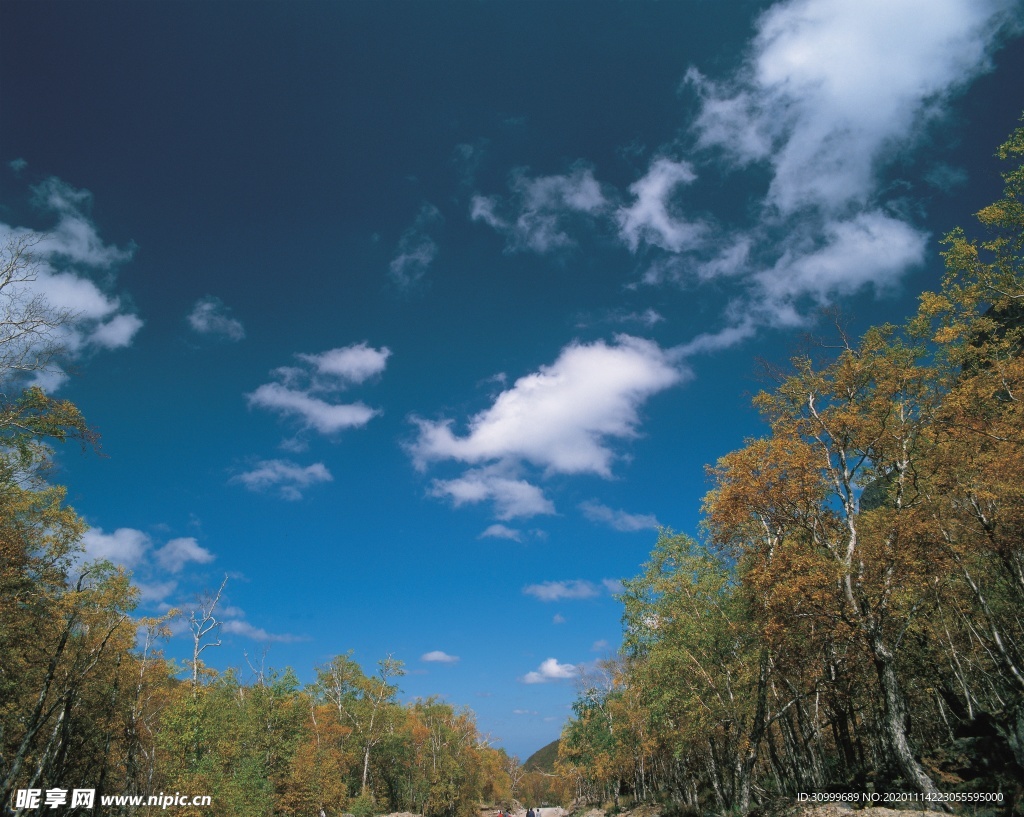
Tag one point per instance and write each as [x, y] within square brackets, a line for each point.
[363, 806]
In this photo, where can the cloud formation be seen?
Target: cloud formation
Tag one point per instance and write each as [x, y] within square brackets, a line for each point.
[512, 498]
[131, 548]
[416, 248]
[550, 670]
[313, 412]
[211, 317]
[536, 216]
[563, 417]
[560, 591]
[828, 87]
[619, 520]
[651, 218]
[306, 392]
[439, 657]
[827, 94]
[179, 552]
[125, 546]
[247, 630]
[288, 478]
[499, 531]
[348, 365]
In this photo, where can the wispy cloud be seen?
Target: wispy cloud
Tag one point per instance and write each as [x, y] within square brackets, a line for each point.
[439, 657]
[288, 478]
[313, 412]
[535, 217]
[560, 591]
[619, 520]
[550, 670]
[416, 248]
[179, 552]
[304, 392]
[513, 498]
[499, 531]
[211, 317]
[247, 630]
[650, 218]
[613, 586]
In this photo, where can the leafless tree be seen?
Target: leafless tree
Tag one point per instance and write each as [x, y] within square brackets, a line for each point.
[30, 327]
[202, 622]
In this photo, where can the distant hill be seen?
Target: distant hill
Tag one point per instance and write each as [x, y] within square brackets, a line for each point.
[543, 760]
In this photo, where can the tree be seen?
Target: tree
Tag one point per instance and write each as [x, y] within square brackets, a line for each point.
[363, 703]
[697, 664]
[30, 328]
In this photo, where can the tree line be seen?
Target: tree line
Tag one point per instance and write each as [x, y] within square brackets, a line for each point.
[851, 617]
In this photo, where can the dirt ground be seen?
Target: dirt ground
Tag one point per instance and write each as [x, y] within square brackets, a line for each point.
[827, 810]
[833, 810]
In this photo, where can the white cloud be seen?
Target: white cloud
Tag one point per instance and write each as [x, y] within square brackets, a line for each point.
[650, 218]
[562, 417]
[613, 586]
[829, 95]
[125, 546]
[439, 656]
[152, 593]
[133, 550]
[296, 392]
[179, 552]
[416, 248]
[550, 670]
[289, 478]
[619, 520]
[211, 317]
[327, 418]
[558, 591]
[512, 498]
[558, 618]
[599, 646]
[829, 87]
[247, 630]
[349, 365]
[116, 333]
[498, 531]
[536, 217]
[871, 248]
[74, 238]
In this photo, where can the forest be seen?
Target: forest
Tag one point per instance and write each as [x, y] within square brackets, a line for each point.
[849, 619]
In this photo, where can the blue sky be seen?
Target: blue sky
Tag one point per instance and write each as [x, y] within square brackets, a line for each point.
[417, 319]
